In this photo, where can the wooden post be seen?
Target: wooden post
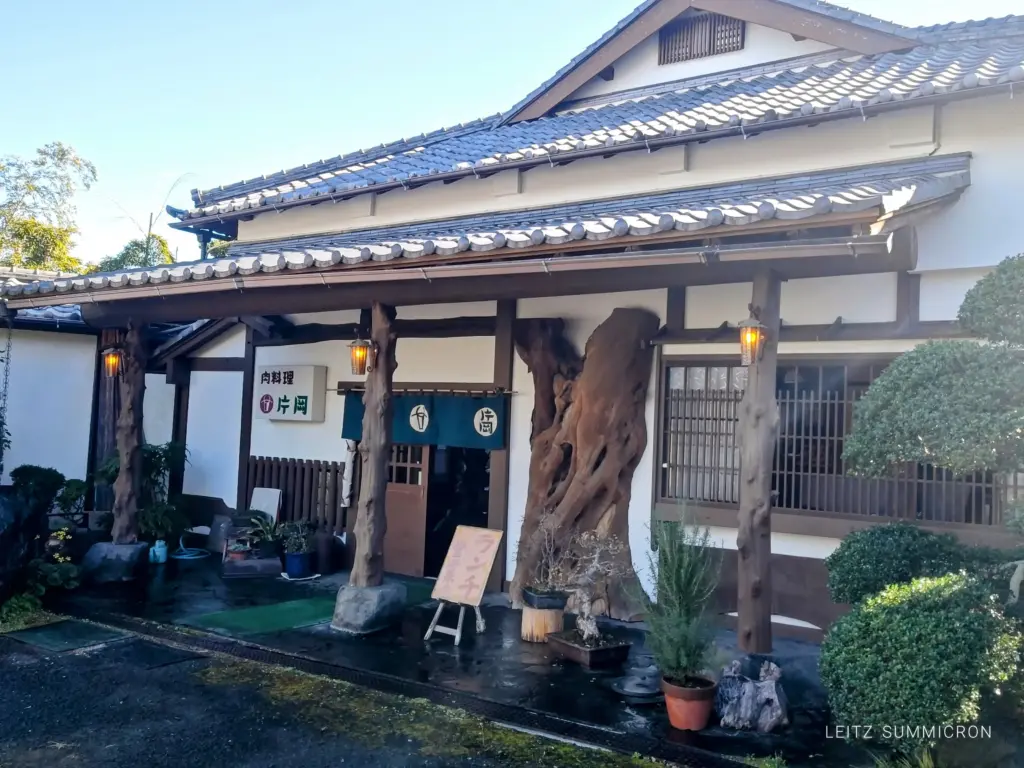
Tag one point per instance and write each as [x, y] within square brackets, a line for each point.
[129, 438]
[758, 431]
[375, 452]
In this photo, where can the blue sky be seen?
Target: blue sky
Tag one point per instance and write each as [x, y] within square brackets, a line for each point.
[219, 91]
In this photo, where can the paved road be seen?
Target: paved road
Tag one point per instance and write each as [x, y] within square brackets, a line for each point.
[137, 704]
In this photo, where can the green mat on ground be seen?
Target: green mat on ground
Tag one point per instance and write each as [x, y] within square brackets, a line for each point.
[66, 636]
[266, 618]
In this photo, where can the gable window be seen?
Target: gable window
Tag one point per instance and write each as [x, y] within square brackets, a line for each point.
[699, 449]
[698, 35]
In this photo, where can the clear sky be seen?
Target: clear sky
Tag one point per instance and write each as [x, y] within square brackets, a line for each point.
[213, 92]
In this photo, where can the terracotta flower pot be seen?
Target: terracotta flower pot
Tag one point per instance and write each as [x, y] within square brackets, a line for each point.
[689, 706]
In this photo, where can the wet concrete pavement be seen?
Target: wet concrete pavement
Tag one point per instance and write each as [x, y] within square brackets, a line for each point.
[496, 665]
[133, 703]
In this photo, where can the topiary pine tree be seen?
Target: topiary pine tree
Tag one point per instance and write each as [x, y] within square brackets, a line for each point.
[956, 403]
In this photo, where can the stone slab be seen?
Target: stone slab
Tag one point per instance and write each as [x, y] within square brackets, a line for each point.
[107, 563]
[365, 610]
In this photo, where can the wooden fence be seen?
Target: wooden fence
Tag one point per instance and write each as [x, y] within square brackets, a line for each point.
[310, 490]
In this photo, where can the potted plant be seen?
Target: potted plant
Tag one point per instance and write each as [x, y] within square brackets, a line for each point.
[239, 550]
[159, 520]
[266, 534]
[679, 634]
[593, 560]
[298, 550]
[544, 597]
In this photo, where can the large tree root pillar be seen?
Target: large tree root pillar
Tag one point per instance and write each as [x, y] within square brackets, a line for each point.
[128, 484]
[375, 452]
[589, 433]
[758, 430]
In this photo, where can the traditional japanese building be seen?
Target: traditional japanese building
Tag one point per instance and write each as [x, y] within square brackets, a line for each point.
[849, 177]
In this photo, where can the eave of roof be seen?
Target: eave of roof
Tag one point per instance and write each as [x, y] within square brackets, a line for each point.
[762, 98]
[724, 210]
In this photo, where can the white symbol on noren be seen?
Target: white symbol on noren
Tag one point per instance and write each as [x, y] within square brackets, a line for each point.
[485, 422]
[419, 418]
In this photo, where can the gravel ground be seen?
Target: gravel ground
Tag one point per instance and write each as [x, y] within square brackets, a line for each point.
[135, 703]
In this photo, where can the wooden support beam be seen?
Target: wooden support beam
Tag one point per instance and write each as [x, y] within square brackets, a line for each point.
[444, 327]
[497, 495]
[179, 431]
[128, 485]
[675, 315]
[375, 452]
[245, 430]
[934, 329]
[758, 430]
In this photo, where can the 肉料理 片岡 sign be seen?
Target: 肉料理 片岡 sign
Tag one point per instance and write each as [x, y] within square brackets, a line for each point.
[290, 392]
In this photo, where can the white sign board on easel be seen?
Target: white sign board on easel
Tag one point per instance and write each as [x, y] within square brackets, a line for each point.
[290, 392]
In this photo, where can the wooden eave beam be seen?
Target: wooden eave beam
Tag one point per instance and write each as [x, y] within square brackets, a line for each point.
[835, 331]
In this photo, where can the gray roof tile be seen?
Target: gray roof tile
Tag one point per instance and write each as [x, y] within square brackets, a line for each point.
[888, 186]
[814, 85]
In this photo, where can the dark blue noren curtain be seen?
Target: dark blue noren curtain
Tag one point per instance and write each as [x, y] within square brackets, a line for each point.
[464, 421]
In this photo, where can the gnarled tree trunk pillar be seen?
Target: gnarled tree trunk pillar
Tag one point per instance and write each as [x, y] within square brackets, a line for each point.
[758, 431]
[128, 484]
[375, 452]
[589, 433]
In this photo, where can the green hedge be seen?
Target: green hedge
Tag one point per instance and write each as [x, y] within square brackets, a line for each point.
[918, 654]
[868, 561]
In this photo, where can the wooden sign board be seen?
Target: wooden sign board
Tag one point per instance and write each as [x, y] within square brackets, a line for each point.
[467, 565]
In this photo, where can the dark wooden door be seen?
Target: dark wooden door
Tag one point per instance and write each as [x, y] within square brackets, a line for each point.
[406, 505]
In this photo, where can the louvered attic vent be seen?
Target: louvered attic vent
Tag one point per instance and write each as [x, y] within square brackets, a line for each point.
[698, 35]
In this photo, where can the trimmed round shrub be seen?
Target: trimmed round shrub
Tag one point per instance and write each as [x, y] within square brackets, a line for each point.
[918, 654]
[868, 561]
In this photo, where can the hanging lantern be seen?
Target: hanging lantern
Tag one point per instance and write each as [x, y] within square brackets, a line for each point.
[752, 336]
[359, 351]
[112, 363]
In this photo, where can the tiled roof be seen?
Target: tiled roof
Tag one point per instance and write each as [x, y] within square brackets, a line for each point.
[59, 314]
[888, 187]
[973, 56]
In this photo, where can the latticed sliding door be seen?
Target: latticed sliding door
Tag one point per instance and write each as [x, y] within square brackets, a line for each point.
[406, 505]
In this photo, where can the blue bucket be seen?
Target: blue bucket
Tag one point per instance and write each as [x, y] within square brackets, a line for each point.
[298, 565]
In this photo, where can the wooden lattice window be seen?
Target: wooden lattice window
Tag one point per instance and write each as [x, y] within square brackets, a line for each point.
[700, 454]
[698, 35]
[406, 467]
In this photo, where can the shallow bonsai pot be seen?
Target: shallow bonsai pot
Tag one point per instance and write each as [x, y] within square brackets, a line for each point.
[689, 705]
[545, 601]
[610, 654]
[298, 565]
[238, 554]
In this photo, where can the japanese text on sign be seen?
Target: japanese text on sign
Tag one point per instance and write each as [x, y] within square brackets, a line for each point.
[292, 393]
[467, 565]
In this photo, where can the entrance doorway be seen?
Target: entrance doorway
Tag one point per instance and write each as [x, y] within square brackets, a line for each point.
[457, 496]
[431, 490]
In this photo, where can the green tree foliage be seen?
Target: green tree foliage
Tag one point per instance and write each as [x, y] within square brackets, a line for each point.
[145, 251]
[36, 205]
[218, 249]
[918, 654]
[957, 404]
[34, 244]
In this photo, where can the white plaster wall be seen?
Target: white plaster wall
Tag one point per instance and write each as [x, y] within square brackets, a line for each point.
[49, 401]
[793, 544]
[467, 360]
[582, 314]
[213, 434]
[158, 409]
[230, 344]
[640, 66]
[981, 229]
[811, 301]
[942, 292]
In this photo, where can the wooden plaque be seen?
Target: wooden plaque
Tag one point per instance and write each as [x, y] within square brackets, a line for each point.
[467, 565]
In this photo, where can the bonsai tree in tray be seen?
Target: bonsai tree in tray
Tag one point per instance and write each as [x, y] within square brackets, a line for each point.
[590, 560]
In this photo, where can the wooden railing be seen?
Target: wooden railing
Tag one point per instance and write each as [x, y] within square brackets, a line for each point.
[310, 490]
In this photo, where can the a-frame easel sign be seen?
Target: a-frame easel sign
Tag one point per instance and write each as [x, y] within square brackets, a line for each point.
[463, 576]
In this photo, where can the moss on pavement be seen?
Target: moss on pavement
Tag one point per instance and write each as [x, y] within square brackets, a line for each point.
[377, 719]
